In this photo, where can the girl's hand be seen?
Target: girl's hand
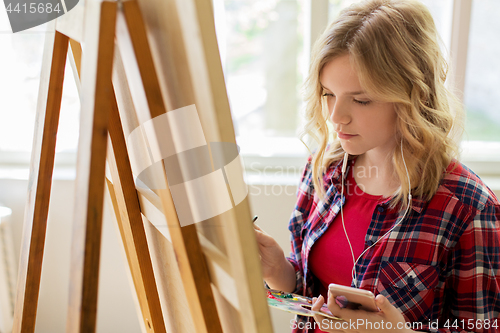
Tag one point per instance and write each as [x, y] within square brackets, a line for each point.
[271, 254]
[387, 319]
[326, 324]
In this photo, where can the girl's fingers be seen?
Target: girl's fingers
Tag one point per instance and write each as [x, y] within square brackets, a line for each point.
[332, 305]
[263, 238]
[256, 227]
[318, 303]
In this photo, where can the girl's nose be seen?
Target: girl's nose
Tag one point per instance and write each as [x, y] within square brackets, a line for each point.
[339, 112]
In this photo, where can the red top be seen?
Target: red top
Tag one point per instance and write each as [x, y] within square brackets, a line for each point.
[330, 259]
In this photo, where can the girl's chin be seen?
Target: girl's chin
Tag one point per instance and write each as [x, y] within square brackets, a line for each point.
[351, 149]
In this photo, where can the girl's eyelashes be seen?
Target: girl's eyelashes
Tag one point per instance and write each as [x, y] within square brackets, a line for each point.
[362, 102]
[327, 94]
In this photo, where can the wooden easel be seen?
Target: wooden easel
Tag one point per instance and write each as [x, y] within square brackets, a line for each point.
[212, 277]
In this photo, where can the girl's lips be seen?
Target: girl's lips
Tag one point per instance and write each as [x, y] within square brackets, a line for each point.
[345, 136]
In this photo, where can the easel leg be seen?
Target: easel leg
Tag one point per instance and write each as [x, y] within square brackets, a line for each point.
[76, 62]
[128, 213]
[42, 164]
[87, 228]
[192, 264]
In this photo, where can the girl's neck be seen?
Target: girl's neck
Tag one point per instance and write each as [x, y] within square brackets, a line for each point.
[374, 174]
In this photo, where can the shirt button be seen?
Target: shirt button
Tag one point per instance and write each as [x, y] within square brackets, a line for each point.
[411, 281]
[380, 209]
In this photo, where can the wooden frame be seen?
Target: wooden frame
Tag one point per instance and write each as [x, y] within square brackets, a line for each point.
[42, 164]
[216, 261]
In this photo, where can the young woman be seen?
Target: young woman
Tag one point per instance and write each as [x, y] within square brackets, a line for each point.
[384, 206]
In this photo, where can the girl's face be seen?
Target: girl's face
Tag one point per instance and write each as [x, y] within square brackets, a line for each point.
[362, 124]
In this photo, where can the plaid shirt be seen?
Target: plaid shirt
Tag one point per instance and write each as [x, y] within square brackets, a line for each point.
[440, 266]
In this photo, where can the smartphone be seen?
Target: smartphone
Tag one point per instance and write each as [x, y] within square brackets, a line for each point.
[353, 298]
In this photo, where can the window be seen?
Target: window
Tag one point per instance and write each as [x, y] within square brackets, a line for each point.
[264, 48]
[264, 45]
[20, 62]
[482, 80]
[20, 65]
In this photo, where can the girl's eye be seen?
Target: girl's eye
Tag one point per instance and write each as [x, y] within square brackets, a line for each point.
[328, 94]
[362, 102]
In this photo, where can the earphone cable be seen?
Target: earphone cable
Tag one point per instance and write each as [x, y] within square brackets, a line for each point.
[344, 166]
[355, 261]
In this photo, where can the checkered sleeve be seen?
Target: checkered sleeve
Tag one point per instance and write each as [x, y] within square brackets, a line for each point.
[299, 284]
[474, 280]
[297, 220]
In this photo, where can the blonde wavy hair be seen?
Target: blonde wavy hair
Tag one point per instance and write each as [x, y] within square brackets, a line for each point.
[393, 44]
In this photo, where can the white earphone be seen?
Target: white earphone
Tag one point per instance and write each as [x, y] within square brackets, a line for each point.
[355, 261]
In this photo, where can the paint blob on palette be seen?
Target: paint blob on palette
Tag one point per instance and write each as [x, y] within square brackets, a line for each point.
[296, 304]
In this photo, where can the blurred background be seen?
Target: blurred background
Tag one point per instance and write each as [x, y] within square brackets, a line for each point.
[264, 46]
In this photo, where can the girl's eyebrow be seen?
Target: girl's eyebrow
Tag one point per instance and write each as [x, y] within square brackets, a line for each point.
[356, 93]
[360, 92]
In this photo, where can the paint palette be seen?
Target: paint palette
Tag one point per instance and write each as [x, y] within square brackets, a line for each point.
[293, 303]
